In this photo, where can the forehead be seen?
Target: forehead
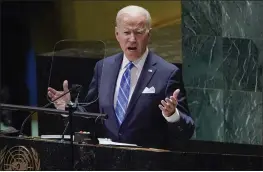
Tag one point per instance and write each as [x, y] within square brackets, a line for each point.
[135, 20]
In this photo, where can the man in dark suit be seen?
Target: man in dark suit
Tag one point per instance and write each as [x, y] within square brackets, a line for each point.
[142, 94]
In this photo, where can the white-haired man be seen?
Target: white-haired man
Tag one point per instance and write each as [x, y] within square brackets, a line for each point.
[142, 94]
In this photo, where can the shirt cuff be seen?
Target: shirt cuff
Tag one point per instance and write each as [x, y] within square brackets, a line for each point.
[174, 117]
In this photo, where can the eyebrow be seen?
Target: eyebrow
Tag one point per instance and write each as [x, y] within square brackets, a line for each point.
[137, 30]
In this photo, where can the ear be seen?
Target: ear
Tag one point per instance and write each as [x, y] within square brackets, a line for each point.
[150, 32]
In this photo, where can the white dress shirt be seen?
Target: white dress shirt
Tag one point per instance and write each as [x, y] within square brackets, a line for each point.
[135, 74]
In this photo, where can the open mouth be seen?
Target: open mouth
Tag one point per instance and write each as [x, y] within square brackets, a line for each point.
[132, 48]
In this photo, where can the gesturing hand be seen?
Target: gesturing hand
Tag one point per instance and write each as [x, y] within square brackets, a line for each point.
[61, 102]
[168, 106]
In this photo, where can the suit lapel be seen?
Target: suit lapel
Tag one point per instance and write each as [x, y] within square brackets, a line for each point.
[110, 73]
[113, 75]
[145, 76]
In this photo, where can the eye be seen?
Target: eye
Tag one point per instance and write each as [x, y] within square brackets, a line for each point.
[139, 32]
[126, 33]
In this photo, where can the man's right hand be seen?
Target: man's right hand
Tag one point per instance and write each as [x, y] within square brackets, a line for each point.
[64, 100]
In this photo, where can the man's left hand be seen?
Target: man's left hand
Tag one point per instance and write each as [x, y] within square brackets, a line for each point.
[168, 106]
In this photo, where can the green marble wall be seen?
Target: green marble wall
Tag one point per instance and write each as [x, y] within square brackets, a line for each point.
[222, 47]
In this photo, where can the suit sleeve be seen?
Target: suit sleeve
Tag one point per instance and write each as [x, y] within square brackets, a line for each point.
[91, 99]
[184, 127]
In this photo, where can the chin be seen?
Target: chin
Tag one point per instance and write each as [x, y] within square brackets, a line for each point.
[132, 56]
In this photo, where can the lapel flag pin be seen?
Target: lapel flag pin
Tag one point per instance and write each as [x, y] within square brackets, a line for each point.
[150, 70]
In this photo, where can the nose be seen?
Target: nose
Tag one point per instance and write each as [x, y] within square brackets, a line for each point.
[132, 37]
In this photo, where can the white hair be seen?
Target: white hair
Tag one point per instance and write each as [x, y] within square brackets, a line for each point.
[133, 9]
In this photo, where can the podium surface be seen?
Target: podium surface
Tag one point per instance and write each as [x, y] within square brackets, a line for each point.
[42, 154]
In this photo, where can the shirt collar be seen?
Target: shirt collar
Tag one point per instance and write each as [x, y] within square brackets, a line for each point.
[137, 63]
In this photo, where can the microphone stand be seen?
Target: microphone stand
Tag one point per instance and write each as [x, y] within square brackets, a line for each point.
[71, 109]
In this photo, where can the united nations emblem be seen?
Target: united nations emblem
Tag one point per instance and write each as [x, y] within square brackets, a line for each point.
[19, 158]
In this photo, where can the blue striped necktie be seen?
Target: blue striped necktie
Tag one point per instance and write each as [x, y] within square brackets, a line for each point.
[123, 95]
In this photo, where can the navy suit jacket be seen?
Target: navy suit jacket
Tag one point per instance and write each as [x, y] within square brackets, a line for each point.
[144, 123]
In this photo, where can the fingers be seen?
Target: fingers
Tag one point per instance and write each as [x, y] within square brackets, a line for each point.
[176, 93]
[173, 100]
[55, 96]
[59, 104]
[168, 105]
[162, 108]
[52, 90]
[50, 94]
[65, 86]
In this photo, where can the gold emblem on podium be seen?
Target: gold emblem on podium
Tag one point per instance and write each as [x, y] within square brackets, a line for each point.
[19, 158]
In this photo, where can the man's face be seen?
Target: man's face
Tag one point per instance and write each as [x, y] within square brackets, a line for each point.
[133, 35]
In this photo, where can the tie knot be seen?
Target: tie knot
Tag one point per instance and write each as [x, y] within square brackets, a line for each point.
[130, 65]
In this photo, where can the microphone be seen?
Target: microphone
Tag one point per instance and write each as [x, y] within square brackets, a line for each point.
[75, 87]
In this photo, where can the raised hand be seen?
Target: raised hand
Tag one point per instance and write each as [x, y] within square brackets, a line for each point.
[168, 106]
[61, 102]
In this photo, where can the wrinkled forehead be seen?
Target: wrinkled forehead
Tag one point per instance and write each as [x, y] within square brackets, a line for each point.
[133, 21]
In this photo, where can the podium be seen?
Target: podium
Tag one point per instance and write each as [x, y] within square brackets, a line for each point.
[34, 153]
[42, 154]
